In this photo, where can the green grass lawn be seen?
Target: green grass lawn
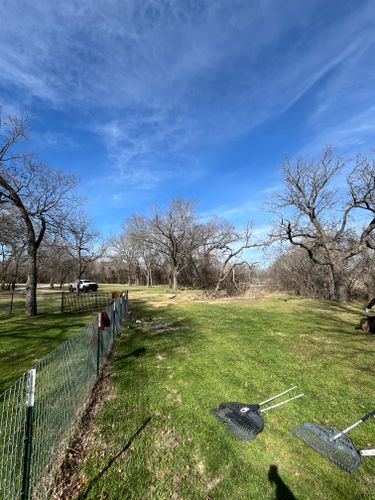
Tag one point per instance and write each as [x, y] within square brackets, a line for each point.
[154, 436]
[24, 341]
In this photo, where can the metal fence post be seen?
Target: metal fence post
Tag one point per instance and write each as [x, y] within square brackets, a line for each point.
[28, 436]
[114, 331]
[98, 350]
[125, 300]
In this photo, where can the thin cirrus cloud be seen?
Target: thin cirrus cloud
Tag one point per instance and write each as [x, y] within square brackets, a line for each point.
[158, 81]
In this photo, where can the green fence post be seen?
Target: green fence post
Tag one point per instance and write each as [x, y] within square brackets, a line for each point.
[125, 300]
[25, 495]
[98, 350]
[114, 320]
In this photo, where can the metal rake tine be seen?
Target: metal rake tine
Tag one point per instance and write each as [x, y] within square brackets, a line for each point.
[363, 419]
[282, 403]
[277, 396]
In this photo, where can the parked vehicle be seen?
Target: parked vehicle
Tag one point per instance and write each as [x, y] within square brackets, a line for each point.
[84, 286]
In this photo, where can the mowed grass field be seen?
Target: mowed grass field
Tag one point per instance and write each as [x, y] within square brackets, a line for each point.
[24, 341]
[153, 435]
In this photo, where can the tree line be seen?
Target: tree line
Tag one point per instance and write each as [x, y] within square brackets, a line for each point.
[324, 221]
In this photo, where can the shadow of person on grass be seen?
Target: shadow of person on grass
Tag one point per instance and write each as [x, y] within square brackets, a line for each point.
[91, 484]
[282, 491]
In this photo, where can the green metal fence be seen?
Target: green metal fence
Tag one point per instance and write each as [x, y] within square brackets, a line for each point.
[34, 432]
[78, 302]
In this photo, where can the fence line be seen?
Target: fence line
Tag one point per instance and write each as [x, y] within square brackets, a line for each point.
[64, 381]
[79, 302]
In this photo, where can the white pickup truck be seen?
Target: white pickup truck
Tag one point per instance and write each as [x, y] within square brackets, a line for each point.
[84, 286]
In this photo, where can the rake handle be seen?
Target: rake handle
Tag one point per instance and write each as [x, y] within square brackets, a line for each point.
[367, 453]
[369, 415]
[282, 403]
[277, 396]
[363, 419]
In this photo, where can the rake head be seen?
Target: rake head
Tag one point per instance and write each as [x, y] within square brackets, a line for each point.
[239, 406]
[245, 426]
[243, 420]
[340, 451]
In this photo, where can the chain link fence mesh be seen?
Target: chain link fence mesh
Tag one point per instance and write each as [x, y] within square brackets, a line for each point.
[64, 381]
[12, 423]
[79, 302]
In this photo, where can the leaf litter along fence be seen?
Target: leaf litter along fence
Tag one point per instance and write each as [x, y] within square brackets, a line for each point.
[38, 413]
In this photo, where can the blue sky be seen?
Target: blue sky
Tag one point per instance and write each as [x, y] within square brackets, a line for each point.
[148, 100]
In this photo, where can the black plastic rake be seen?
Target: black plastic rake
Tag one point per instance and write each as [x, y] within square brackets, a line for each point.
[334, 444]
[244, 421]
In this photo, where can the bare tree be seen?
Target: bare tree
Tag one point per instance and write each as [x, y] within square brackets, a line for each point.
[12, 245]
[316, 217]
[37, 191]
[176, 234]
[125, 253]
[230, 249]
[82, 243]
[295, 273]
[55, 262]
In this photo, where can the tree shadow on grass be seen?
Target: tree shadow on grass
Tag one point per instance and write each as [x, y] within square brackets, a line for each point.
[92, 483]
[141, 351]
[282, 492]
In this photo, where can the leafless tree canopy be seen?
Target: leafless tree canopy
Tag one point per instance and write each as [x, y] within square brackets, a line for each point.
[36, 191]
[176, 243]
[318, 217]
[325, 214]
[82, 242]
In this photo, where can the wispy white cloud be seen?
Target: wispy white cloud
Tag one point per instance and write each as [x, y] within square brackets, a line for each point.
[156, 80]
[236, 213]
[56, 140]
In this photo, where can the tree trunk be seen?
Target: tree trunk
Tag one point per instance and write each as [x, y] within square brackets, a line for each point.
[341, 289]
[137, 276]
[338, 288]
[174, 278]
[32, 277]
[79, 268]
